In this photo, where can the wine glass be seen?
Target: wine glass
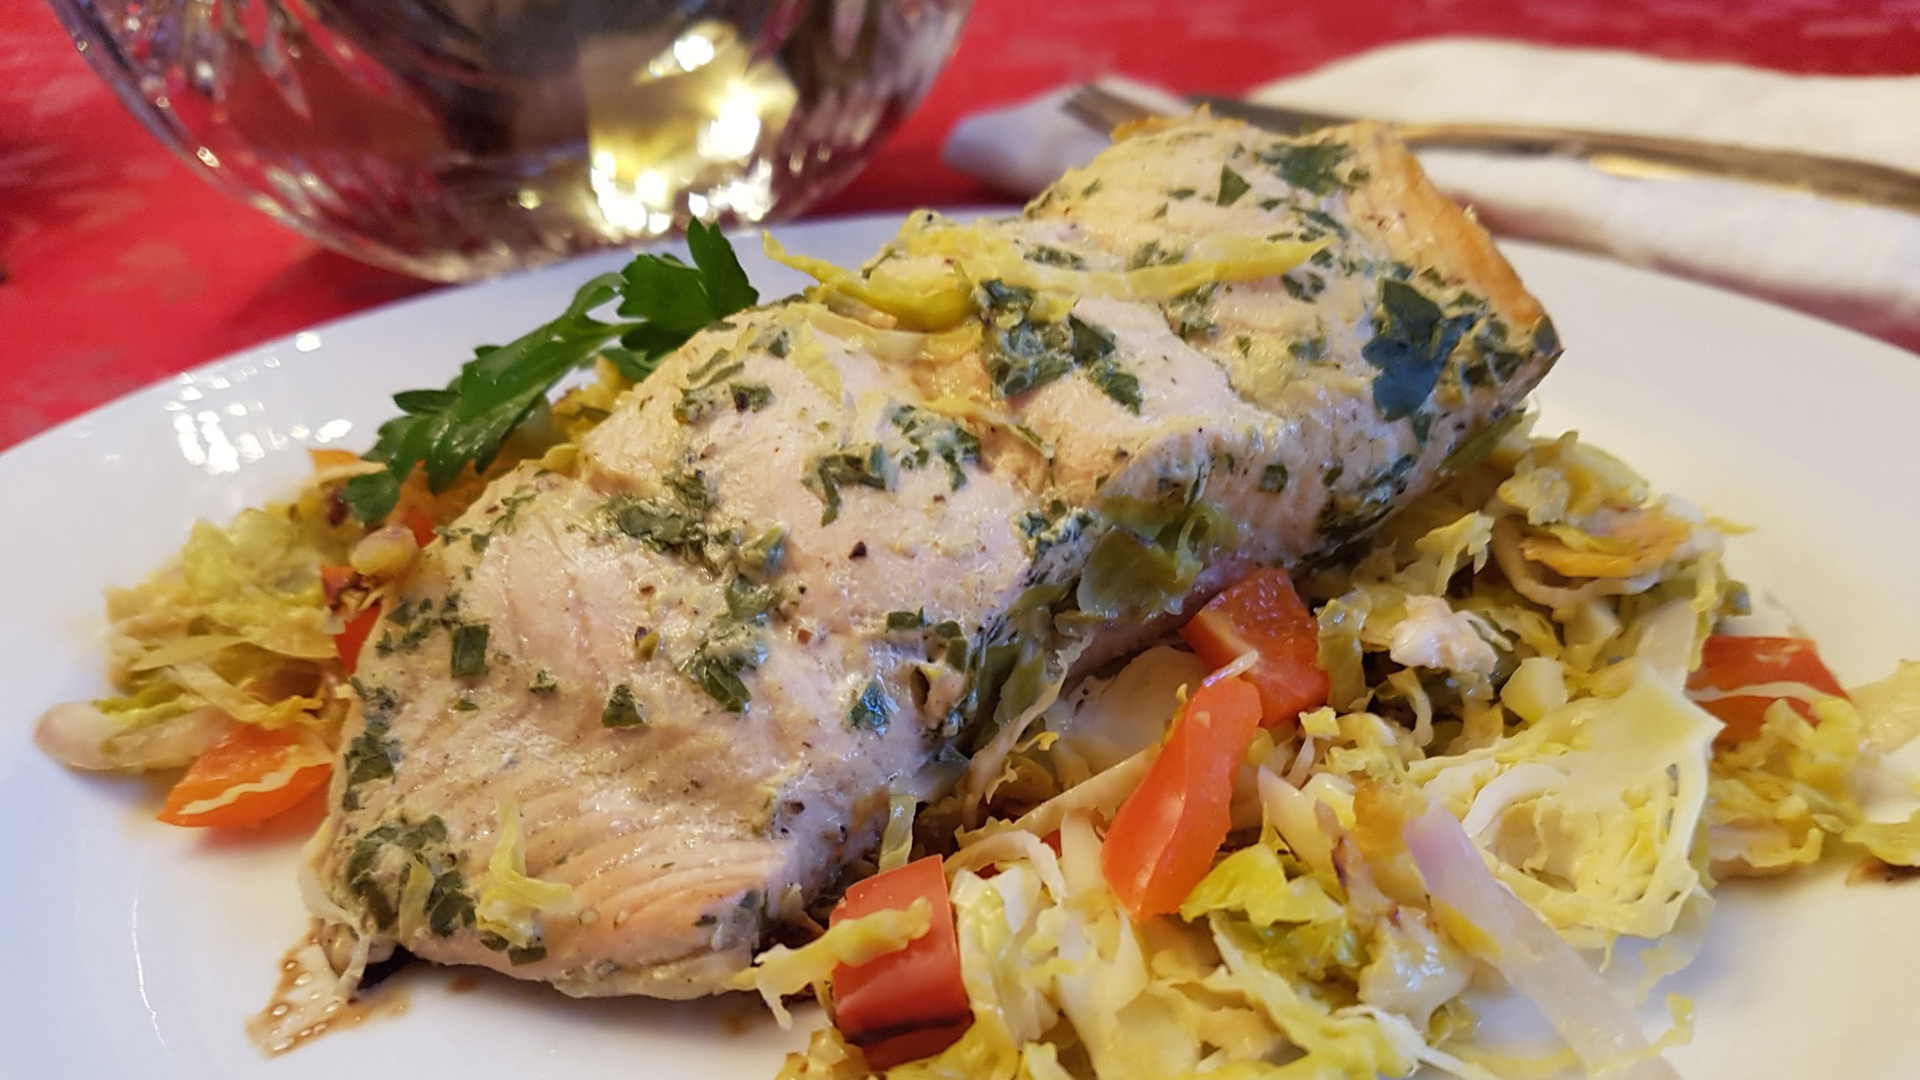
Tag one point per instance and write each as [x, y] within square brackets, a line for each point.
[457, 139]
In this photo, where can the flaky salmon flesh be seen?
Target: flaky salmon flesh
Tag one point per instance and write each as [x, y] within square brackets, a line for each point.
[634, 714]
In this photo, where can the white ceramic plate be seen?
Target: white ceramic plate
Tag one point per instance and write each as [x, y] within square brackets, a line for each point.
[137, 950]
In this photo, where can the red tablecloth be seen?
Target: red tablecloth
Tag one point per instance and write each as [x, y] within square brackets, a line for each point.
[121, 267]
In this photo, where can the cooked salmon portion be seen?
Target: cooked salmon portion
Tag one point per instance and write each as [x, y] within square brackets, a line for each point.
[634, 713]
[691, 681]
[1306, 406]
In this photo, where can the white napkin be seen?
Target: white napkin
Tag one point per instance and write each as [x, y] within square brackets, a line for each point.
[1857, 265]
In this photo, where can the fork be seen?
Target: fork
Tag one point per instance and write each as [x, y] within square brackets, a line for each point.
[1642, 156]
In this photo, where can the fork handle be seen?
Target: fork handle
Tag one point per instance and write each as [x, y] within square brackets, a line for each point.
[1632, 155]
[1641, 155]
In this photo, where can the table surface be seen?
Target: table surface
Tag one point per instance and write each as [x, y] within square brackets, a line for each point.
[119, 267]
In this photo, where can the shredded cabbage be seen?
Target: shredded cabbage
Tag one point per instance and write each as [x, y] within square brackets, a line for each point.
[1891, 707]
[235, 625]
[1252, 882]
[1510, 655]
[511, 903]
[781, 970]
[1779, 797]
[232, 626]
[1591, 810]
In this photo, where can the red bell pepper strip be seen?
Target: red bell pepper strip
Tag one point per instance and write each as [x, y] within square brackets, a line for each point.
[1164, 836]
[1264, 615]
[1732, 663]
[247, 776]
[416, 520]
[911, 1003]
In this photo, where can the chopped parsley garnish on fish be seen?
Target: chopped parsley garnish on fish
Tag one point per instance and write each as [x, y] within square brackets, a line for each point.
[1057, 523]
[543, 683]
[1047, 255]
[510, 509]
[750, 396]
[1232, 186]
[663, 302]
[1346, 516]
[1309, 166]
[621, 711]
[719, 365]
[1412, 339]
[666, 529]
[708, 389]
[1190, 313]
[1023, 355]
[1093, 351]
[864, 464]
[764, 552]
[675, 526]
[955, 639]
[1304, 287]
[1152, 254]
[749, 602]
[936, 437]
[1310, 349]
[381, 863]
[1324, 220]
[871, 709]
[1273, 478]
[716, 665]
[906, 620]
[469, 656]
[369, 756]
[691, 489]
[379, 702]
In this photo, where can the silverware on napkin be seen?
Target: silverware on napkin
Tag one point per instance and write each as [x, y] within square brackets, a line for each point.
[1614, 152]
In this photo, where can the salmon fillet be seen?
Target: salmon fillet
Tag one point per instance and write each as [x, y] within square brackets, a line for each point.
[835, 539]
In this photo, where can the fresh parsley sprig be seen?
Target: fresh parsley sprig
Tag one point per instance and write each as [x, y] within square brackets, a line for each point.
[663, 302]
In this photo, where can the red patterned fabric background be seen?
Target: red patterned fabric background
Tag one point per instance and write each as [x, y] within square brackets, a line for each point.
[121, 267]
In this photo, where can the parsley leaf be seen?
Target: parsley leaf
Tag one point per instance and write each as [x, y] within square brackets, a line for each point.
[1273, 478]
[621, 710]
[1310, 166]
[1411, 342]
[865, 464]
[906, 620]
[716, 665]
[1232, 186]
[469, 657]
[1093, 351]
[443, 431]
[871, 710]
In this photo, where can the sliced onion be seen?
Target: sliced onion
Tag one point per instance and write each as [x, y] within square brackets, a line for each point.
[1666, 640]
[1540, 964]
[1101, 795]
[79, 735]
